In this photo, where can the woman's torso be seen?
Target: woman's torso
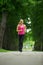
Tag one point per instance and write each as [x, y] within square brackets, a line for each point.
[22, 28]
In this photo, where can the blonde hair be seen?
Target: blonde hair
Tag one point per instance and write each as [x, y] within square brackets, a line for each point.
[21, 21]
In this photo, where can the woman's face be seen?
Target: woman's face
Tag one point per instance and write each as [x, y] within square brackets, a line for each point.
[21, 21]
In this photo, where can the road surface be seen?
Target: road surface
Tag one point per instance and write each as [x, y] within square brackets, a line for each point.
[21, 58]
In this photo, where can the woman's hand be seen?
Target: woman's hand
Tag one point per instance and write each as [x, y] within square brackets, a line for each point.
[19, 30]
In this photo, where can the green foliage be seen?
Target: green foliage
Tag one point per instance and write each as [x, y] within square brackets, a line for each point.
[6, 5]
[21, 9]
[18, 9]
[37, 24]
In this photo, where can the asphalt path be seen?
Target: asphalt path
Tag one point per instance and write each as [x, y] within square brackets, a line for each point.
[21, 58]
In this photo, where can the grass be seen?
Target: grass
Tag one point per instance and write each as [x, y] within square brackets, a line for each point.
[3, 50]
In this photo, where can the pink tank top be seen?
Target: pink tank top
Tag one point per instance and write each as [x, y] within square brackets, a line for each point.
[21, 27]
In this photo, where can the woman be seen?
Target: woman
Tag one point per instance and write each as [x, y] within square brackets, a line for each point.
[21, 29]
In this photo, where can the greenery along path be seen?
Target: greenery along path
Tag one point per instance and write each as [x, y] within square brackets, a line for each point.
[21, 58]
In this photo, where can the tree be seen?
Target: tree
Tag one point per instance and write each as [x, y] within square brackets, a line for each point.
[11, 11]
[37, 24]
[5, 6]
[39, 33]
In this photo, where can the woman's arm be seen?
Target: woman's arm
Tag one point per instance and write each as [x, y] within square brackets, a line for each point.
[25, 28]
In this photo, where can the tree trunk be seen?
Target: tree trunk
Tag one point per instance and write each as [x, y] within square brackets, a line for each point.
[2, 27]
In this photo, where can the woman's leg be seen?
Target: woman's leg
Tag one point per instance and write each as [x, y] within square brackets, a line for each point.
[21, 42]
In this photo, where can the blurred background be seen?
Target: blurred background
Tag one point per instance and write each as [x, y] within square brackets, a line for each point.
[31, 11]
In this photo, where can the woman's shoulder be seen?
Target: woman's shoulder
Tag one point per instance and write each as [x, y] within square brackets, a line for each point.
[24, 25]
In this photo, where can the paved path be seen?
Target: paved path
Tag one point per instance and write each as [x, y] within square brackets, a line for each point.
[21, 58]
